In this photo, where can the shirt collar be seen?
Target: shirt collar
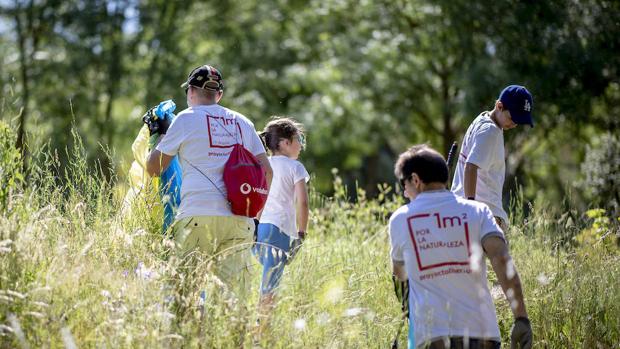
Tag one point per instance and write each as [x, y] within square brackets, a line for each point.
[438, 192]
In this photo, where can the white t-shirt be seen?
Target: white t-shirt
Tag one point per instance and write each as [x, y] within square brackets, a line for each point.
[203, 137]
[280, 206]
[439, 237]
[483, 146]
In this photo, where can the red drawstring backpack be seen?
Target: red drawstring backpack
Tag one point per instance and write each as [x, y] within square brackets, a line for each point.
[245, 182]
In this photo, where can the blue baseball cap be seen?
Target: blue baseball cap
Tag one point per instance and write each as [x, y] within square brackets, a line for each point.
[518, 100]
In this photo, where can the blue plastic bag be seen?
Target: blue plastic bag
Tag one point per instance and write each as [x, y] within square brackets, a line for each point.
[170, 179]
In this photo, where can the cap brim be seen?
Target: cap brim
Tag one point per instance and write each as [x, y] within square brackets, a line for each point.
[522, 118]
[185, 84]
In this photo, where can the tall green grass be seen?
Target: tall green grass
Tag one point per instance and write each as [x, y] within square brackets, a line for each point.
[76, 271]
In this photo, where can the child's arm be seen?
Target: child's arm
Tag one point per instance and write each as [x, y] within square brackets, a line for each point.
[301, 203]
[469, 180]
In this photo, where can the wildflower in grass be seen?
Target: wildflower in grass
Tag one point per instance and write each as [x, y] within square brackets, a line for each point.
[300, 324]
[543, 279]
[353, 312]
[334, 293]
[323, 318]
[144, 272]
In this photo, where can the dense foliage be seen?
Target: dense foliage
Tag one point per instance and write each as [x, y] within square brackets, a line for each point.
[368, 78]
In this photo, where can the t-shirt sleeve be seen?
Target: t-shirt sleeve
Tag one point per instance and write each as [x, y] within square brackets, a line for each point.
[483, 147]
[489, 225]
[300, 173]
[396, 248]
[174, 137]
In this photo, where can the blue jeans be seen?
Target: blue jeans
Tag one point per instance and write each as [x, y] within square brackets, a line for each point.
[272, 247]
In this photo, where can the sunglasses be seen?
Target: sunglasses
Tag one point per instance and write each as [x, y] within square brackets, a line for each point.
[302, 140]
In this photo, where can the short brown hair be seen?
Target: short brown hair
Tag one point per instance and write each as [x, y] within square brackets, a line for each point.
[424, 161]
[206, 93]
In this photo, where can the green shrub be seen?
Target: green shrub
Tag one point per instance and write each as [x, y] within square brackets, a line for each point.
[601, 169]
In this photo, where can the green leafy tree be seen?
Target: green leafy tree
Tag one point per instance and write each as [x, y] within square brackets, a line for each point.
[601, 170]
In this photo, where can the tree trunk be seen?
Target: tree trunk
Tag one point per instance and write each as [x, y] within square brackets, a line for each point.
[115, 72]
[23, 62]
[448, 133]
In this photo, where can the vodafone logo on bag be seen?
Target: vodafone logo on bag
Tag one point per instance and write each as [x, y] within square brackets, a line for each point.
[245, 189]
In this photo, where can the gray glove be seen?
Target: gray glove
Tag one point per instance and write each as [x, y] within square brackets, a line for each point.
[295, 246]
[521, 334]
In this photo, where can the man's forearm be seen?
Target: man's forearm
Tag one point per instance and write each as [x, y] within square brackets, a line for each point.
[510, 281]
[157, 162]
[470, 179]
[398, 268]
[268, 171]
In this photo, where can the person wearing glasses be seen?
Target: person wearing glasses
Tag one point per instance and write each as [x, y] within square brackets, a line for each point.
[438, 242]
[284, 220]
[203, 136]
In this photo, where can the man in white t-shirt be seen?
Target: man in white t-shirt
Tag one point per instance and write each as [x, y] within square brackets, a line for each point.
[481, 168]
[203, 136]
[438, 241]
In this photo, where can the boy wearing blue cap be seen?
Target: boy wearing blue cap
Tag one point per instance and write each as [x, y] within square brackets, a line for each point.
[480, 171]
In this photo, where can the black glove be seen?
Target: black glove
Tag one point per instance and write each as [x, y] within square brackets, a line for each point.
[521, 334]
[401, 288]
[256, 221]
[156, 124]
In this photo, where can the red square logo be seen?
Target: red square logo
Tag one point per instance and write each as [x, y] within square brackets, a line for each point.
[223, 132]
[439, 241]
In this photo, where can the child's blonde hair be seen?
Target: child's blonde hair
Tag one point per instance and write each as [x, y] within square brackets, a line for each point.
[280, 128]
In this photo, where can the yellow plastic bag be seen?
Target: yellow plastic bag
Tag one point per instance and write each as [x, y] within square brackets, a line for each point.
[142, 188]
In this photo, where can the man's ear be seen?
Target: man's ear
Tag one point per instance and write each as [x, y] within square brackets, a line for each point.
[415, 180]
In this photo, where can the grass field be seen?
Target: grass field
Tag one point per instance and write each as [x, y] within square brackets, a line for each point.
[77, 272]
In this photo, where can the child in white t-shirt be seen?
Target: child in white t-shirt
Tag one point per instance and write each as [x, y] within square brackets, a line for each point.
[284, 219]
[481, 168]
